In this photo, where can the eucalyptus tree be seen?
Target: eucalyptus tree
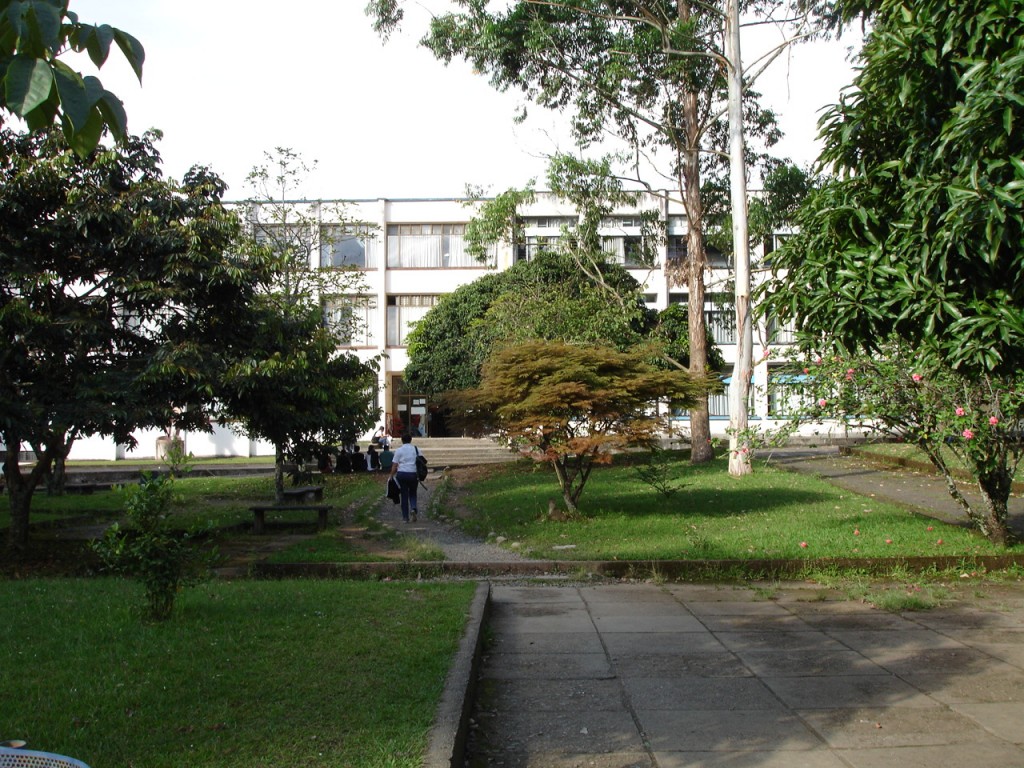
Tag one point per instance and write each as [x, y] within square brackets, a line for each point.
[37, 85]
[650, 73]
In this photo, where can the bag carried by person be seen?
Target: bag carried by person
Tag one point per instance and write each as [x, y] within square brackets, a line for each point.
[421, 466]
[394, 491]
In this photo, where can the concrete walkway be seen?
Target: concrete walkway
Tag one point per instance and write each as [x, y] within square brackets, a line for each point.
[677, 675]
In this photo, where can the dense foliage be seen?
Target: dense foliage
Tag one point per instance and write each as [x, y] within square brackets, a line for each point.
[547, 297]
[573, 405]
[920, 233]
[118, 299]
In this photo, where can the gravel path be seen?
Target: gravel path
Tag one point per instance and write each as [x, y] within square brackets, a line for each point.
[458, 547]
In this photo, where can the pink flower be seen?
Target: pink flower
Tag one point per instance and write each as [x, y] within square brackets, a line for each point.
[960, 411]
[822, 403]
[968, 435]
[888, 541]
[916, 376]
[803, 545]
[767, 354]
[807, 370]
[850, 371]
[993, 420]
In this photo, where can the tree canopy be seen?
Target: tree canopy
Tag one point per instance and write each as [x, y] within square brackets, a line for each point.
[37, 85]
[573, 405]
[118, 298]
[650, 73]
[547, 297]
[919, 234]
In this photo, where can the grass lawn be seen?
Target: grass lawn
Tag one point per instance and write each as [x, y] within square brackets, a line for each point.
[768, 514]
[287, 673]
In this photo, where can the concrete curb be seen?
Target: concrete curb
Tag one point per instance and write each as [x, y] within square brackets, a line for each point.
[629, 569]
[446, 742]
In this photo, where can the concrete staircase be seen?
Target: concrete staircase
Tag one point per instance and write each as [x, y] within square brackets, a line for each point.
[444, 452]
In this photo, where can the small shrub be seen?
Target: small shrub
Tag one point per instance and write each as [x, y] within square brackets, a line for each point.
[657, 472]
[150, 550]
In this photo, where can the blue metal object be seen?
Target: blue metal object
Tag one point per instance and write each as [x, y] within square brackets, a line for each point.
[29, 758]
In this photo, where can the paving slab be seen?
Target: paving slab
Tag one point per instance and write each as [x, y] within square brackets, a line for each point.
[669, 675]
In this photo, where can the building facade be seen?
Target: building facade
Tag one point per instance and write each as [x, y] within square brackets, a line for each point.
[411, 252]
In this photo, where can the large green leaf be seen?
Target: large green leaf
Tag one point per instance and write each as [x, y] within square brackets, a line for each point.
[27, 84]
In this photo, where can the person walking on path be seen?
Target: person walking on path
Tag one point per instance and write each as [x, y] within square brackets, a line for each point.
[403, 469]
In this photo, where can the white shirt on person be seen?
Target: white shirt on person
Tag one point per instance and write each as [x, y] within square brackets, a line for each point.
[405, 457]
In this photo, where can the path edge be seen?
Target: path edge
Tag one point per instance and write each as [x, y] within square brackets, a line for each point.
[446, 742]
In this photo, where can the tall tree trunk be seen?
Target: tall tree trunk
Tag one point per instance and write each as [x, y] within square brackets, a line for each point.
[701, 450]
[739, 439]
[692, 275]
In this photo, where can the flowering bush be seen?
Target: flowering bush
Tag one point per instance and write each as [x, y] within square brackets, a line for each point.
[898, 394]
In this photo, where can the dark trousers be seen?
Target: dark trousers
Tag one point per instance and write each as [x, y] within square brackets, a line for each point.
[408, 482]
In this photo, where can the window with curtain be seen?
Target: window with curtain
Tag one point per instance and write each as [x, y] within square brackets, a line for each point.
[348, 246]
[353, 319]
[403, 314]
[430, 246]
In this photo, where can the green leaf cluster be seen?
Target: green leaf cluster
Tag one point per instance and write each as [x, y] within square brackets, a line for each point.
[920, 232]
[37, 86]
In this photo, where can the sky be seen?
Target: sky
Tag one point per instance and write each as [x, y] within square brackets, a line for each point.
[229, 80]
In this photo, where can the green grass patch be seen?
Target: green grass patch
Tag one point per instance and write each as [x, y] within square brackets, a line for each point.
[245, 674]
[766, 515]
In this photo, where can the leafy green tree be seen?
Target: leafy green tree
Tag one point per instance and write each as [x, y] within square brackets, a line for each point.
[294, 388]
[118, 299]
[918, 236]
[920, 231]
[37, 85]
[651, 73]
[959, 421]
[574, 405]
[547, 297]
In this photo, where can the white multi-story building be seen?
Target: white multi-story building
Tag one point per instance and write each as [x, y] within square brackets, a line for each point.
[413, 251]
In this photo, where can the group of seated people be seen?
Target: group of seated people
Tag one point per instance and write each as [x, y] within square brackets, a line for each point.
[346, 459]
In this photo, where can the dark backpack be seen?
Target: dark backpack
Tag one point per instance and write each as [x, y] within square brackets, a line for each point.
[421, 465]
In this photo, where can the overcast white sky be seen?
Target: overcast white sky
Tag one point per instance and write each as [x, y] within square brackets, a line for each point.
[227, 80]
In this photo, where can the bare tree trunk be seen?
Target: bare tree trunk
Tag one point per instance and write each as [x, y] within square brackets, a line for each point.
[20, 488]
[278, 474]
[739, 441]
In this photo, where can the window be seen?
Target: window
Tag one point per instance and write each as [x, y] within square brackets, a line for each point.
[552, 222]
[719, 315]
[534, 245]
[787, 393]
[430, 246]
[353, 319]
[628, 251]
[403, 314]
[677, 252]
[718, 405]
[780, 332]
[348, 246]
